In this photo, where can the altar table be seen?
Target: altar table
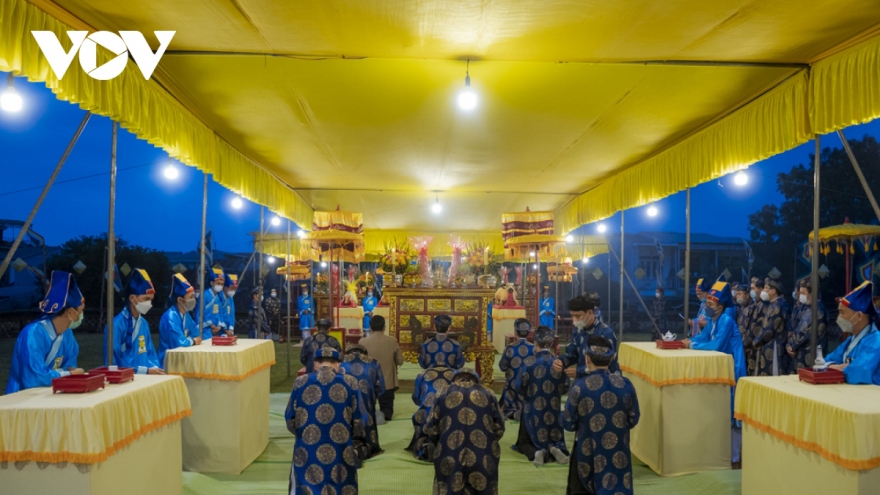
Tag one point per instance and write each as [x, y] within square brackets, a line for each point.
[229, 388]
[350, 317]
[502, 324]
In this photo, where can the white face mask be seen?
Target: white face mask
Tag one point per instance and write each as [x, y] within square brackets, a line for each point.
[753, 294]
[658, 295]
[741, 300]
[218, 288]
[765, 297]
[273, 294]
[845, 325]
[794, 295]
[143, 306]
[803, 299]
[579, 324]
[230, 293]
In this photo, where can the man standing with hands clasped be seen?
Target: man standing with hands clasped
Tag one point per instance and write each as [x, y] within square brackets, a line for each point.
[584, 319]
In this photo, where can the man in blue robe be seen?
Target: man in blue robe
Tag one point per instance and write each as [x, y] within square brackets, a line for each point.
[369, 303]
[441, 350]
[326, 414]
[517, 356]
[315, 342]
[212, 304]
[799, 346]
[548, 309]
[699, 323]
[371, 384]
[541, 388]
[46, 348]
[132, 342]
[428, 385]
[305, 306]
[587, 325]
[601, 409]
[770, 342]
[466, 426]
[231, 283]
[177, 328]
[724, 336]
[859, 355]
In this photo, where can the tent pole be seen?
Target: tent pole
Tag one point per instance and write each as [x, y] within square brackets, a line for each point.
[111, 245]
[636, 291]
[687, 262]
[260, 276]
[855, 164]
[202, 255]
[620, 260]
[814, 272]
[287, 279]
[27, 224]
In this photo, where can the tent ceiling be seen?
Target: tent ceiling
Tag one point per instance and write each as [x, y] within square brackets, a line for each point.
[362, 98]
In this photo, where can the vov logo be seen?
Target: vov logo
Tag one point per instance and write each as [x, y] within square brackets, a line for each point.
[121, 45]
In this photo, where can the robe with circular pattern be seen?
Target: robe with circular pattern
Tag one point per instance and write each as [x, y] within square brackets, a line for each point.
[441, 351]
[312, 344]
[466, 425]
[325, 413]
[541, 390]
[371, 383]
[516, 358]
[602, 408]
[428, 385]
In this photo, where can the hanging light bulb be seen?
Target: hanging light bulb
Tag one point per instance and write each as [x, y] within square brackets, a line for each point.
[569, 238]
[10, 100]
[323, 264]
[531, 254]
[301, 234]
[170, 172]
[601, 228]
[437, 207]
[276, 221]
[652, 211]
[237, 203]
[586, 260]
[741, 178]
[467, 98]
[535, 266]
[270, 260]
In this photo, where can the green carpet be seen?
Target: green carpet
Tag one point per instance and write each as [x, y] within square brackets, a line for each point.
[396, 472]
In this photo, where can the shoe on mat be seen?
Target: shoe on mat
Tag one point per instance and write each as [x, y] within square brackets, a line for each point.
[380, 418]
[539, 457]
[557, 454]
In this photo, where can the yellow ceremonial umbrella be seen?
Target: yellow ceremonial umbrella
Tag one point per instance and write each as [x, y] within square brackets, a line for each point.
[844, 235]
[532, 245]
[347, 246]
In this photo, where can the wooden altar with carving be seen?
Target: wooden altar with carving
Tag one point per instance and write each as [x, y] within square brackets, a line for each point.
[411, 321]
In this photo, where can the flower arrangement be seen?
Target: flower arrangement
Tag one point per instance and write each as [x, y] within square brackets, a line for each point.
[421, 243]
[481, 259]
[396, 258]
[365, 280]
[321, 283]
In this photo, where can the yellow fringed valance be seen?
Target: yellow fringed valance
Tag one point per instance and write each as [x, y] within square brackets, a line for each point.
[143, 108]
[376, 241]
[662, 368]
[838, 422]
[228, 363]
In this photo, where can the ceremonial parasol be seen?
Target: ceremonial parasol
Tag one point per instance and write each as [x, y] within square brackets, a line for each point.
[844, 235]
[346, 246]
[532, 245]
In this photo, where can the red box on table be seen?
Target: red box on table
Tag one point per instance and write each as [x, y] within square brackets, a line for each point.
[120, 375]
[77, 384]
[670, 344]
[218, 340]
[827, 377]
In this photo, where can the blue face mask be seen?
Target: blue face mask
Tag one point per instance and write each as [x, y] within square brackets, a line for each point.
[710, 311]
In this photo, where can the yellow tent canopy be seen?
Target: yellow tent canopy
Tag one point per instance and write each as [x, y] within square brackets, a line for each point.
[847, 231]
[584, 108]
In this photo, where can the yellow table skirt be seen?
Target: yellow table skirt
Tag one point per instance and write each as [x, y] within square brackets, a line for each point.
[212, 362]
[661, 367]
[502, 325]
[384, 312]
[37, 425]
[351, 317]
[841, 423]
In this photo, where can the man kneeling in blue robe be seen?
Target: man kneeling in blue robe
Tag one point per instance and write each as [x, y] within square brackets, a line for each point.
[516, 358]
[429, 384]
[859, 355]
[372, 384]
[46, 348]
[132, 342]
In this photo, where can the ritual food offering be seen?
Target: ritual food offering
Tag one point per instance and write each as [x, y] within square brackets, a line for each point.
[231, 340]
[78, 384]
[114, 374]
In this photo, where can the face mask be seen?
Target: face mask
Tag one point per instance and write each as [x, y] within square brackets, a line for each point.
[657, 294]
[77, 322]
[261, 298]
[305, 293]
[189, 304]
[197, 294]
[369, 294]
[579, 324]
[741, 300]
[273, 294]
[803, 299]
[753, 294]
[794, 295]
[218, 288]
[143, 306]
[710, 311]
[765, 297]
[845, 325]
[230, 293]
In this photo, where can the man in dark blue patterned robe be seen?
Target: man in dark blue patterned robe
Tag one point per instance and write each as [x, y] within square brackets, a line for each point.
[466, 425]
[372, 384]
[441, 350]
[770, 342]
[514, 360]
[541, 390]
[327, 416]
[316, 342]
[601, 409]
[429, 384]
[584, 319]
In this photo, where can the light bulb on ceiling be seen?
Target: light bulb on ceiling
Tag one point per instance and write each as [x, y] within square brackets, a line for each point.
[301, 234]
[276, 221]
[437, 207]
[586, 260]
[601, 228]
[323, 264]
[652, 211]
[569, 238]
[237, 203]
[532, 253]
[467, 98]
[535, 266]
[270, 260]
[170, 172]
[10, 100]
[741, 178]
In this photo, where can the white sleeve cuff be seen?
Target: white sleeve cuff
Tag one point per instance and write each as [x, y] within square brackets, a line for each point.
[142, 370]
[190, 340]
[64, 373]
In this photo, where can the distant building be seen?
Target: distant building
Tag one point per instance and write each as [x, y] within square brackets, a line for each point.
[22, 289]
